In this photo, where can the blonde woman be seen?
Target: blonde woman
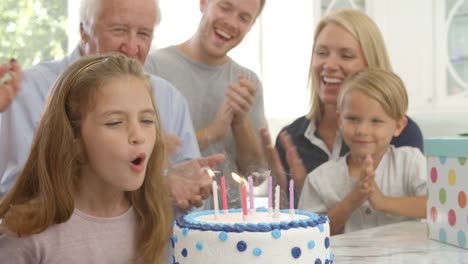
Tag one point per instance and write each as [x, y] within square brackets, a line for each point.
[92, 189]
[345, 42]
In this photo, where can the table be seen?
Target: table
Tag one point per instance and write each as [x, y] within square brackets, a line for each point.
[404, 242]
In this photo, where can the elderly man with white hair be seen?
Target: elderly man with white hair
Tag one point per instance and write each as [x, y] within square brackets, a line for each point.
[110, 26]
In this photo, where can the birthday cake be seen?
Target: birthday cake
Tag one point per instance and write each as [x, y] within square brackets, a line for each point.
[260, 237]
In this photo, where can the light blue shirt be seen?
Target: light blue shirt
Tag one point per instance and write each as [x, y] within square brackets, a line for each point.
[19, 122]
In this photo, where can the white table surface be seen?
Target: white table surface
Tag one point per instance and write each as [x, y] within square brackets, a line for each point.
[404, 242]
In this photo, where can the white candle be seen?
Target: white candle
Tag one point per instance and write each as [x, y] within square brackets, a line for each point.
[270, 194]
[277, 201]
[291, 198]
[215, 199]
[251, 194]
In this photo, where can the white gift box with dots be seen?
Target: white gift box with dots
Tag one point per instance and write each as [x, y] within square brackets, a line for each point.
[447, 188]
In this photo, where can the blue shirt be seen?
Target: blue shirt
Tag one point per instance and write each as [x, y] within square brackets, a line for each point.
[18, 124]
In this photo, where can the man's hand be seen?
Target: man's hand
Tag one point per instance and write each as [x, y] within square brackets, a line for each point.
[189, 183]
[173, 143]
[218, 128]
[10, 76]
[241, 97]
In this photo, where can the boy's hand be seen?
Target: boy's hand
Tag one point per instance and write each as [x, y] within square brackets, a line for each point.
[363, 186]
[375, 196]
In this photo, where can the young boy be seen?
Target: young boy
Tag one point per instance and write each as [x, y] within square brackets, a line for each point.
[375, 183]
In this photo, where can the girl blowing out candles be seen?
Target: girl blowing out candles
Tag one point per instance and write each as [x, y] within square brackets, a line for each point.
[92, 189]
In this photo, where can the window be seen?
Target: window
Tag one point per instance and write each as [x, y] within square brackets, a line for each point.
[33, 30]
[454, 40]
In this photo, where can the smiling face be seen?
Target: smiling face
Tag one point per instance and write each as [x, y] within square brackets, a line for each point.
[223, 25]
[118, 134]
[366, 127]
[337, 54]
[122, 26]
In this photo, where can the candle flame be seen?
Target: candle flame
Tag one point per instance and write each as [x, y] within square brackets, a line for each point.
[237, 178]
[211, 173]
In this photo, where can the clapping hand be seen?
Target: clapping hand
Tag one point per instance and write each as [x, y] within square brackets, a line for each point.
[375, 196]
[277, 170]
[241, 97]
[189, 183]
[364, 183]
[173, 143]
[10, 76]
[296, 166]
[221, 124]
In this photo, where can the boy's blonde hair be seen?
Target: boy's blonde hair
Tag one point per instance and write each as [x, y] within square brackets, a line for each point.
[366, 33]
[43, 192]
[383, 86]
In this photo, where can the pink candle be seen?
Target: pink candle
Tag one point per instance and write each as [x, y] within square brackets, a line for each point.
[251, 193]
[223, 194]
[244, 200]
[241, 180]
[291, 194]
[270, 192]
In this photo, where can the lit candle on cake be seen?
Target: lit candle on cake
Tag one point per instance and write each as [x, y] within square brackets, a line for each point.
[244, 202]
[215, 193]
[270, 194]
[277, 201]
[251, 194]
[238, 179]
[291, 197]
[223, 195]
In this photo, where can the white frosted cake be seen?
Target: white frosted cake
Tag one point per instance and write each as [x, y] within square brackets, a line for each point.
[261, 238]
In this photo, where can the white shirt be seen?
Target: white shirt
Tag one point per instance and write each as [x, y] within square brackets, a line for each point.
[310, 135]
[401, 172]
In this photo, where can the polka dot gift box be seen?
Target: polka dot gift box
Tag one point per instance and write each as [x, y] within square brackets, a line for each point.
[447, 189]
[202, 237]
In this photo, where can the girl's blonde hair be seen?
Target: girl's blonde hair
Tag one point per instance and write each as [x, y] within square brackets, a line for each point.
[43, 192]
[383, 86]
[367, 34]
